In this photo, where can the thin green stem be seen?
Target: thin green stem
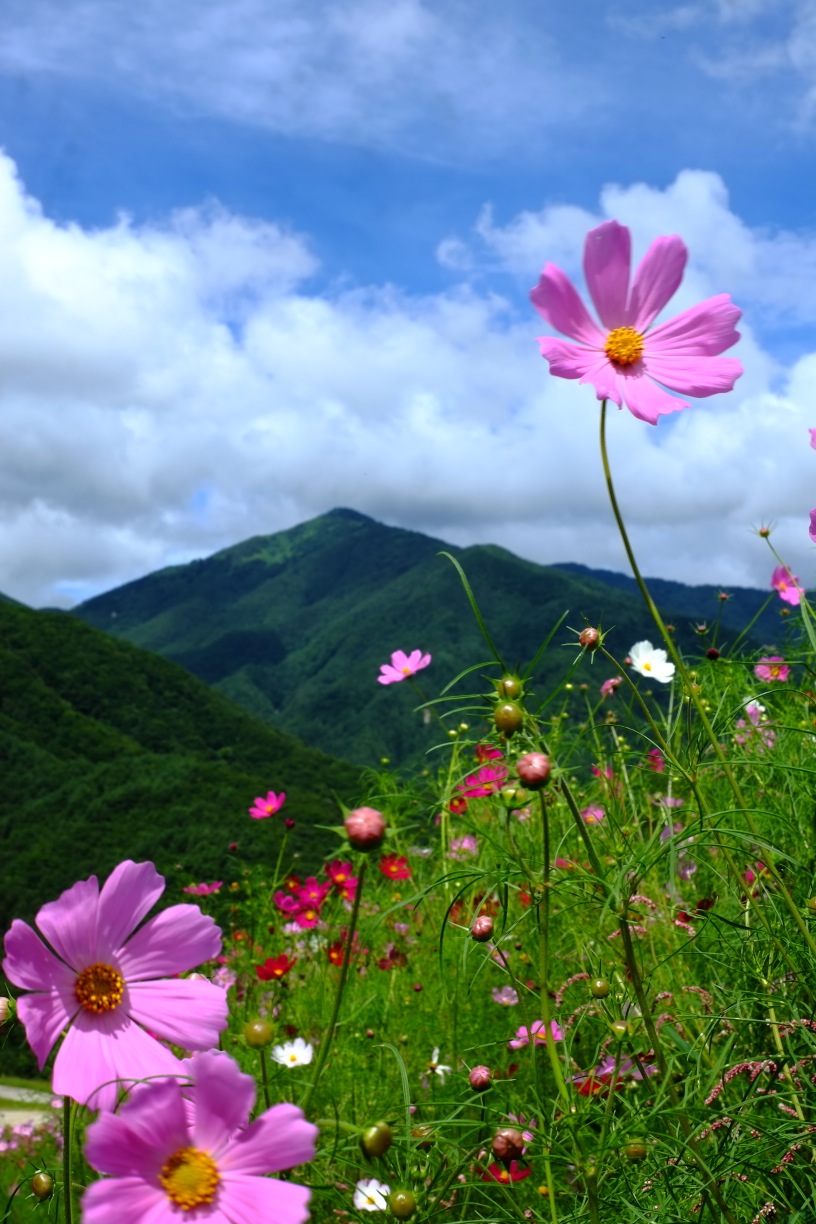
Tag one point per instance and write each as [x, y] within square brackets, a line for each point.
[67, 1160]
[265, 1078]
[325, 1045]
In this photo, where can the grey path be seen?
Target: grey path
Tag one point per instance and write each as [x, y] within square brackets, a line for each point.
[26, 1097]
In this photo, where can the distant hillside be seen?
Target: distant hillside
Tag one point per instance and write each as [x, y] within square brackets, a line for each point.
[294, 626]
[111, 752]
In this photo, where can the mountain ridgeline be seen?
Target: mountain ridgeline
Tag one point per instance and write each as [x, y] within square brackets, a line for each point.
[293, 626]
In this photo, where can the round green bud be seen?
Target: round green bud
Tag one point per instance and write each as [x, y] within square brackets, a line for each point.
[258, 1033]
[599, 988]
[42, 1185]
[636, 1149]
[376, 1140]
[508, 717]
[402, 1204]
[510, 687]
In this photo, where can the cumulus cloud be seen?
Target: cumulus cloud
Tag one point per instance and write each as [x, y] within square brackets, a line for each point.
[174, 388]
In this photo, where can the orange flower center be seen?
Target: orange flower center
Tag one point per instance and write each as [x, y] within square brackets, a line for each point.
[190, 1178]
[99, 988]
[624, 346]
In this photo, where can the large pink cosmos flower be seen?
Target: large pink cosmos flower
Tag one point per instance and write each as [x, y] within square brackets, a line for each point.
[772, 667]
[105, 982]
[402, 666]
[174, 1150]
[622, 359]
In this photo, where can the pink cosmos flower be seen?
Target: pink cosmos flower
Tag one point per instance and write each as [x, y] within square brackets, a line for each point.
[772, 667]
[538, 1031]
[608, 687]
[484, 782]
[622, 359]
[204, 890]
[105, 983]
[506, 996]
[176, 1152]
[262, 808]
[786, 585]
[593, 814]
[402, 666]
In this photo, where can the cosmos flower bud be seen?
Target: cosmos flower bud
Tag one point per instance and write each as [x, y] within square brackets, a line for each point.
[365, 828]
[589, 638]
[402, 1204]
[42, 1185]
[6, 1008]
[534, 770]
[376, 1140]
[508, 717]
[258, 1033]
[481, 1078]
[482, 928]
[508, 1144]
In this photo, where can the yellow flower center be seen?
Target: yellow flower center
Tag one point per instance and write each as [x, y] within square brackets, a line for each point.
[646, 666]
[99, 988]
[190, 1178]
[624, 346]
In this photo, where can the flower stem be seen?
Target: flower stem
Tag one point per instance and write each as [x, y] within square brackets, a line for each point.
[265, 1078]
[691, 690]
[67, 1190]
[325, 1045]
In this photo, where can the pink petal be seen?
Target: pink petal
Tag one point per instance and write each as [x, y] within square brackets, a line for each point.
[697, 376]
[128, 894]
[399, 659]
[175, 941]
[812, 531]
[280, 1139]
[812, 433]
[644, 398]
[607, 262]
[43, 1017]
[126, 1198]
[190, 1013]
[390, 675]
[589, 365]
[556, 298]
[656, 281]
[246, 1200]
[137, 1141]
[223, 1098]
[69, 923]
[98, 1051]
[703, 330]
[30, 964]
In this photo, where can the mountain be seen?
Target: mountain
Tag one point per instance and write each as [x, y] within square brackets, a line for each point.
[112, 752]
[294, 626]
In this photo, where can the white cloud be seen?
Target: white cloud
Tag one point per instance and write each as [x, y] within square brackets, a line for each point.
[173, 389]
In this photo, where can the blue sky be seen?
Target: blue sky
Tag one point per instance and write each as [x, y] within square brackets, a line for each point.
[268, 257]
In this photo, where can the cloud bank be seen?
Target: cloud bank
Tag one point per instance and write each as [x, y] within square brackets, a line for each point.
[173, 388]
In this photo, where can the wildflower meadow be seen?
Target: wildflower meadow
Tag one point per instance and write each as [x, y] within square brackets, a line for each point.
[562, 970]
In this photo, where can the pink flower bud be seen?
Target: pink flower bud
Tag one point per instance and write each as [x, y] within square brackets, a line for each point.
[508, 1144]
[365, 828]
[481, 1078]
[534, 770]
[589, 638]
[482, 928]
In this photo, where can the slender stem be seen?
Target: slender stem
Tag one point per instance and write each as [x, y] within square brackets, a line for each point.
[265, 1078]
[692, 690]
[325, 1045]
[67, 1138]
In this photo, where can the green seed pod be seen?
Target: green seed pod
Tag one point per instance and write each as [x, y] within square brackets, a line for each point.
[510, 687]
[636, 1149]
[376, 1140]
[402, 1203]
[620, 1029]
[42, 1185]
[599, 988]
[508, 717]
[258, 1033]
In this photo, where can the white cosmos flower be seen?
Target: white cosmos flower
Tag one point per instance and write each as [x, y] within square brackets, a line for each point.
[371, 1195]
[651, 662]
[437, 1067]
[295, 1053]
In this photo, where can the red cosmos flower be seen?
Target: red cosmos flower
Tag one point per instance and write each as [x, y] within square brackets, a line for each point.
[339, 873]
[395, 866]
[275, 967]
[292, 882]
[335, 952]
[495, 1172]
[348, 891]
[393, 959]
[458, 805]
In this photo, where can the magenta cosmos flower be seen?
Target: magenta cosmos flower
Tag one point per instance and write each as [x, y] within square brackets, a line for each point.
[402, 666]
[105, 982]
[174, 1150]
[622, 358]
[262, 808]
[786, 585]
[772, 667]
